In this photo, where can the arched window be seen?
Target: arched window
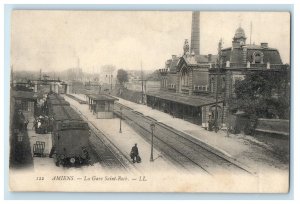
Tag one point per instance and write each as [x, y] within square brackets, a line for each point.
[184, 77]
[257, 57]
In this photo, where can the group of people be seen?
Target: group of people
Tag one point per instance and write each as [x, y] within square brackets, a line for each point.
[42, 124]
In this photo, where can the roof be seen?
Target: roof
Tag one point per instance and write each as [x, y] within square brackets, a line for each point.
[204, 58]
[184, 99]
[200, 59]
[252, 46]
[236, 55]
[173, 65]
[62, 113]
[25, 94]
[57, 102]
[101, 97]
[190, 59]
[239, 33]
[197, 61]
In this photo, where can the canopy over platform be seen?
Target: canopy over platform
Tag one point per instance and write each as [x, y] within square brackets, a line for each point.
[196, 101]
[101, 97]
[102, 105]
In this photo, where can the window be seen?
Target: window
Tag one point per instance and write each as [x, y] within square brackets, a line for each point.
[20, 137]
[212, 83]
[257, 57]
[184, 77]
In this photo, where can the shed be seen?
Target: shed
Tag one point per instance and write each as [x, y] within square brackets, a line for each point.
[26, 102]
[102, 105]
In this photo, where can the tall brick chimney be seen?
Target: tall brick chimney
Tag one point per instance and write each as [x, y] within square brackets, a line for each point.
[195, 35]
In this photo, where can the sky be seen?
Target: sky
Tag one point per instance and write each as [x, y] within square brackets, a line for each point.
[55, 40]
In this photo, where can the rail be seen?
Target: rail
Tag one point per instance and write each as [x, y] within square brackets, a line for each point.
[182, 141]
[109, 151]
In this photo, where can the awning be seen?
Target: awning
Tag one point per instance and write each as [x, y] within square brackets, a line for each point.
[25, 95]
[196, 101]
[101, 97]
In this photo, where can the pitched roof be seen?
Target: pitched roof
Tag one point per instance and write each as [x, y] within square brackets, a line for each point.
[184, 99]
[205, 58]
[190, 59]
[101, 97]
[173, 64]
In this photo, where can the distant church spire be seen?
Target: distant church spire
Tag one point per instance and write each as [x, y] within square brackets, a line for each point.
[195, 34]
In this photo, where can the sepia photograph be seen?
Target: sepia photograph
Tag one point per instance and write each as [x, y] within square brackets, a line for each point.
[150, 101]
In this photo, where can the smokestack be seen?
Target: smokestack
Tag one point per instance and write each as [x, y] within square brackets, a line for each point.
[195, 35]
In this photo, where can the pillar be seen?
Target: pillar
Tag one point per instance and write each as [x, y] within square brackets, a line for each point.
[35, 87]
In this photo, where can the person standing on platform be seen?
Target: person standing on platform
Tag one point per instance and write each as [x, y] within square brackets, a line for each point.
[134, 154]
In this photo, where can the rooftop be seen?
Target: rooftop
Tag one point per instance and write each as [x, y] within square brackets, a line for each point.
[184, 99]
[24, 94]
[101, 97]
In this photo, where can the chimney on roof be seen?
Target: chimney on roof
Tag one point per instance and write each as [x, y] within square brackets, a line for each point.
[264, 45]
[174, 57]
[209, 57]
[195, 35]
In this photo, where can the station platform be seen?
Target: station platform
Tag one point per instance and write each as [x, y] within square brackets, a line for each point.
[245, 149]
[125, 140]
[42, 161]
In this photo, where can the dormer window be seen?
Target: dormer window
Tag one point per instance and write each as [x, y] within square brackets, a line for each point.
[257, 57]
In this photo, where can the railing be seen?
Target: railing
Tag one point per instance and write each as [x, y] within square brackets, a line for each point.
[185, 87]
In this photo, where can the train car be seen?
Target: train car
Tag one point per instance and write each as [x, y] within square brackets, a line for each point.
[54, 99]
[70, 137]
[43, 123]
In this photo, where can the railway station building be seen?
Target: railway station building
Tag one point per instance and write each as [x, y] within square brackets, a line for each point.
[240, 60]
[101, 105]
[198, 87]
[184, 88]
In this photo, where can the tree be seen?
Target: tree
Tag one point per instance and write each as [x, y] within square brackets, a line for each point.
[263, 94]
[122, 76]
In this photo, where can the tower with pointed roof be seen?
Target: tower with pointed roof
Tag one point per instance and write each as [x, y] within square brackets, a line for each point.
[239, 37]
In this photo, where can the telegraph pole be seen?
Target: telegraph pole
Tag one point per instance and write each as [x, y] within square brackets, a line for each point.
[142, 77]
[217, 84]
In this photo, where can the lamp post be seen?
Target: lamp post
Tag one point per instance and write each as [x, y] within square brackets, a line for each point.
[121, 120]
[152, 126]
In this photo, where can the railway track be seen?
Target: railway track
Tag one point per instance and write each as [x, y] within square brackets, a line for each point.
[183, 150]
[108, 154]
[76, 99]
